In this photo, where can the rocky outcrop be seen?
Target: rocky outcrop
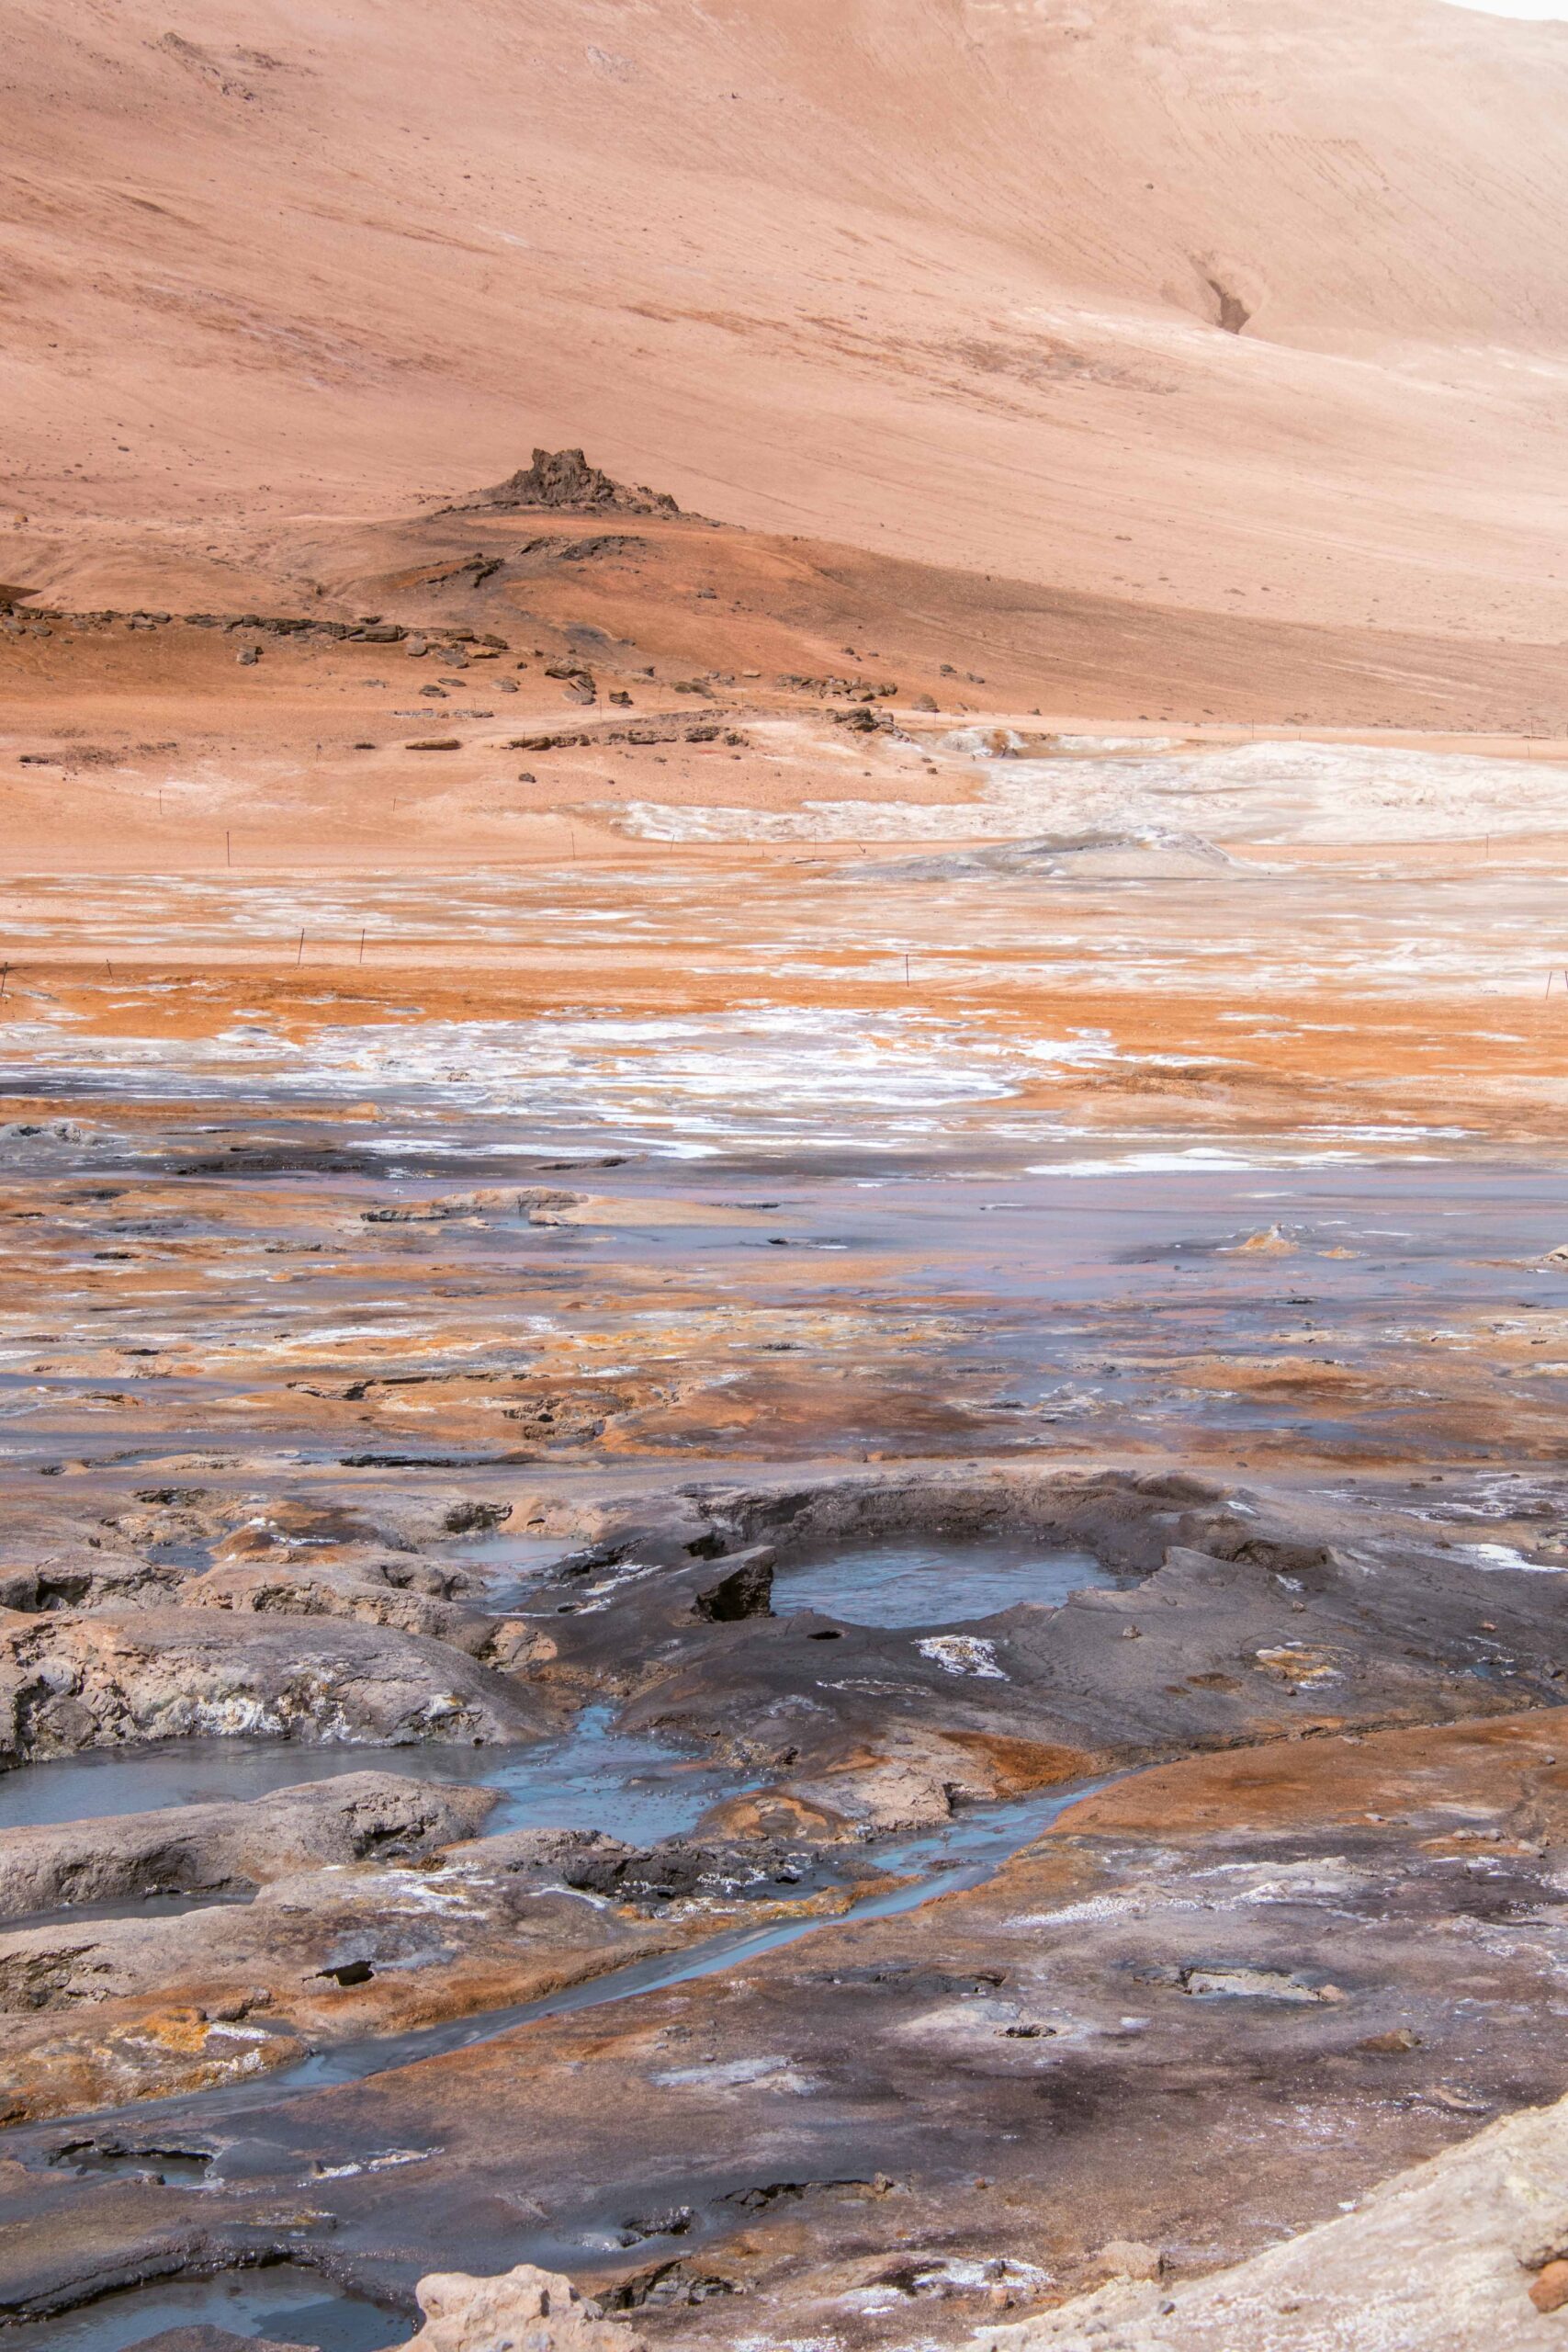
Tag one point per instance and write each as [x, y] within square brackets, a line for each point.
[70, 1682]
[524, 2309]
[295, 1589]
[744, 1590]
[1463, 2251]
[218, 1848]
[564, 479]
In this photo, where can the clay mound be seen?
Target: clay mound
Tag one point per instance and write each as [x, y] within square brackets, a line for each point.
[563, 480]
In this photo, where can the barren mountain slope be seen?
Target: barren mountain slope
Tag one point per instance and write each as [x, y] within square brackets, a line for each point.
[1251, 307]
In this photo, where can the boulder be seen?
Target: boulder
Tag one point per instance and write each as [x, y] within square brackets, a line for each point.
[524, 2309]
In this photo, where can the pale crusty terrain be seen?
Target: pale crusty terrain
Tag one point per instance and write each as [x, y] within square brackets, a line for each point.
[1445, 2255]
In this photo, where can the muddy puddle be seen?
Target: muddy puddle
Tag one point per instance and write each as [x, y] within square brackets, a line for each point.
[902, 1580]
[591, 1778]
[943, 1861]
[130, 1906]
[283, 2300]
[506, 1570]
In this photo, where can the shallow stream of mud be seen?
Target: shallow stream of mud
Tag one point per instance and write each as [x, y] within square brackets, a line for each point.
[961, 1854]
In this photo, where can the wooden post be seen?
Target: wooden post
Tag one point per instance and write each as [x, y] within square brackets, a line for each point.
[362, 946]
[299, 958]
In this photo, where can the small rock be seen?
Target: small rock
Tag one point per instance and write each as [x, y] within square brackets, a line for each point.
[1549, 2292]
[1389, 2045]
[248, 655]
[1130, 2258]
[1457, 2102]
[924, 702]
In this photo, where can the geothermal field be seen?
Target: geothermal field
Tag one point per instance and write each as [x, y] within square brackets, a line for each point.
[784, 986]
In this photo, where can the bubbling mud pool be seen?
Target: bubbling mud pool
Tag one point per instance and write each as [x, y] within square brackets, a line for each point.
[284, 2301]
[903, 1581]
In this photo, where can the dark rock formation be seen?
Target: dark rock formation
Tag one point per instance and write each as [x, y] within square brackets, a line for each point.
[564, 479]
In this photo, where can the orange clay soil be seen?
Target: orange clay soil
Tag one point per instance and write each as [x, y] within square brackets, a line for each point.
[1243, 316]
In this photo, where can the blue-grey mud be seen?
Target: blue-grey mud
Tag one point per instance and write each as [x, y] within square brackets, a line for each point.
[800, 1563]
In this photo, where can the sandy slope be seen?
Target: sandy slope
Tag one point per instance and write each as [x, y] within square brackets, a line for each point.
[942, 277]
